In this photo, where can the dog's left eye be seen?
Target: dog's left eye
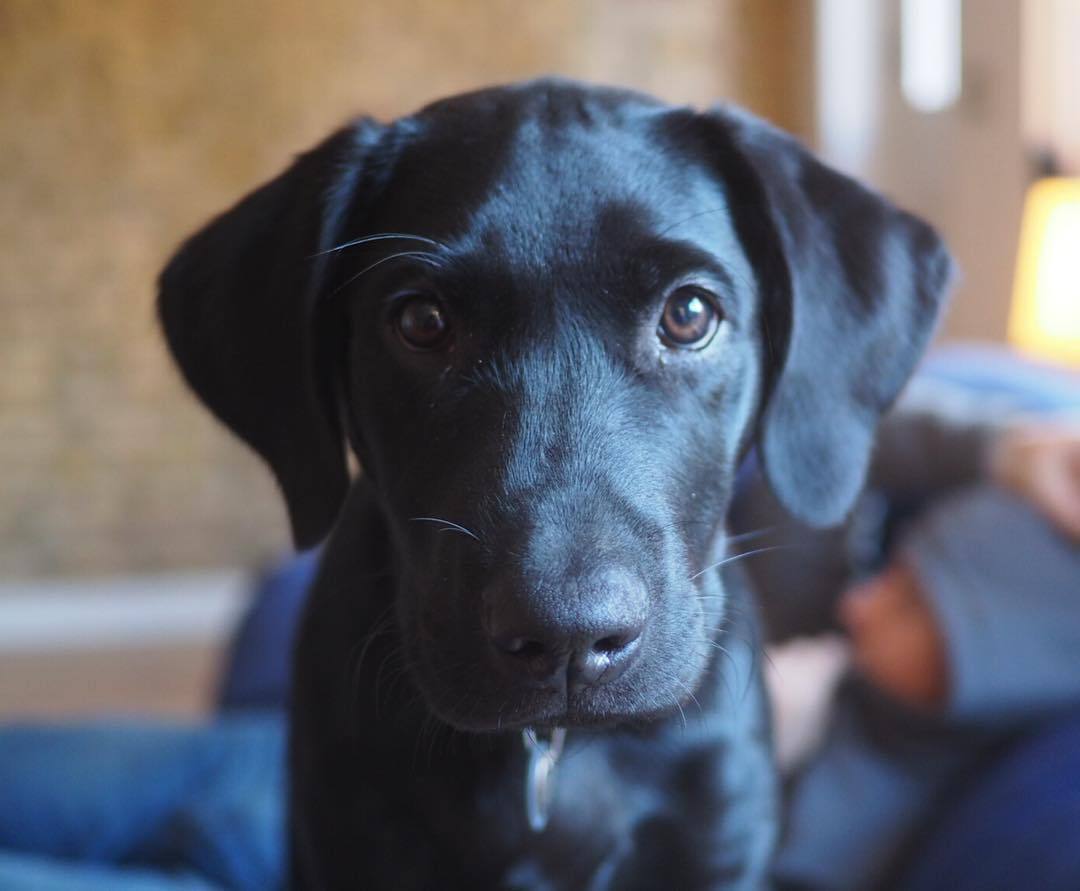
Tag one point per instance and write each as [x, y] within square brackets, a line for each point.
[421, 322]
[690, 319]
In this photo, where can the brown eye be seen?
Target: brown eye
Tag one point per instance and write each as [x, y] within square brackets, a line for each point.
[690, 319]
[422, 323]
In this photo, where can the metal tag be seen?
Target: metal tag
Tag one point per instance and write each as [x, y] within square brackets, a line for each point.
[540, 775]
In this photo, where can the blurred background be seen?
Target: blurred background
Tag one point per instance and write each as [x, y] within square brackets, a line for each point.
[129, 521]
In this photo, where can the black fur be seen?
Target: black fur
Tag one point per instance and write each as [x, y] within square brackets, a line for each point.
[587, 465]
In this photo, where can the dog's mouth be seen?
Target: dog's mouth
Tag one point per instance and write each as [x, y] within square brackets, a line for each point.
[483, 701]
[578, 712]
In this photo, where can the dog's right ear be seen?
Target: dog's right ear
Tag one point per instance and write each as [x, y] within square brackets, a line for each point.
[238, 304]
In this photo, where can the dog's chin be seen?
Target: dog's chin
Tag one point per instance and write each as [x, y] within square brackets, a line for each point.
[565, 715]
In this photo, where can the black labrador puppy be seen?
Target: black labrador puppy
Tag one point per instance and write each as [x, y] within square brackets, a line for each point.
[548, 320]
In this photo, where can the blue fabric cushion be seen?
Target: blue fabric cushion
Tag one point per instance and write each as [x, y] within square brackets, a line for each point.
[22, 872]
[1018, 827]
[205, 799]
[259, 662]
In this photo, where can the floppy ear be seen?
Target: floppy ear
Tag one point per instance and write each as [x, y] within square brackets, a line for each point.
[238, 306]
[851, 288]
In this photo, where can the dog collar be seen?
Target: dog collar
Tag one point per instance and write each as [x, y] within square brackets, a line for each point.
[540, 774]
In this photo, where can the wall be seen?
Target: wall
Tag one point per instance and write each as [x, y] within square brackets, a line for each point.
[964, 168]
[125, 123]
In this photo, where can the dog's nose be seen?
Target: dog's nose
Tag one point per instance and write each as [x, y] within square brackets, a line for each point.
[588, 634]
[588, 660]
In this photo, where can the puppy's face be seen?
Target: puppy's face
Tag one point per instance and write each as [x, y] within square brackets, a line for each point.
[549, 388]
[548, 320]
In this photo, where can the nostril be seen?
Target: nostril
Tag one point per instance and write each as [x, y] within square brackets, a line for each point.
[606, 658]
[520, 646]
[613, 643]
[532, 649]
[528, 659]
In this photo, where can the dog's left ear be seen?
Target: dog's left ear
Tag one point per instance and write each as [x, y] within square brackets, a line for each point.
[238, 306]
[851, 289]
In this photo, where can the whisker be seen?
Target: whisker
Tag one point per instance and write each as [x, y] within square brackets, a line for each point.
[448, 526]
[751, 535]
[382, 236]
[423, 256]
[682, 714]
[358, 651]
[702, 213]
[389, 658]
[735, 557]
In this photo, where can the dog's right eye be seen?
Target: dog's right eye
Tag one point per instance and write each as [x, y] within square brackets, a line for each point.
[421, 322]
[690, 319]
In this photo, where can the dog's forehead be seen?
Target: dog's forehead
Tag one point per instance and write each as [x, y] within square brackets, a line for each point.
[550, 170]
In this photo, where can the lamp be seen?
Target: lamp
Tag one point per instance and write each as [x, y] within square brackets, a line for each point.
[1045, 314]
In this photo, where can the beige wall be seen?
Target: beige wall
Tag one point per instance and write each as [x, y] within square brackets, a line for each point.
[965, 168]
[125, 123]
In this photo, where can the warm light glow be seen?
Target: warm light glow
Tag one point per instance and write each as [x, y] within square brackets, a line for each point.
[1045, 317]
